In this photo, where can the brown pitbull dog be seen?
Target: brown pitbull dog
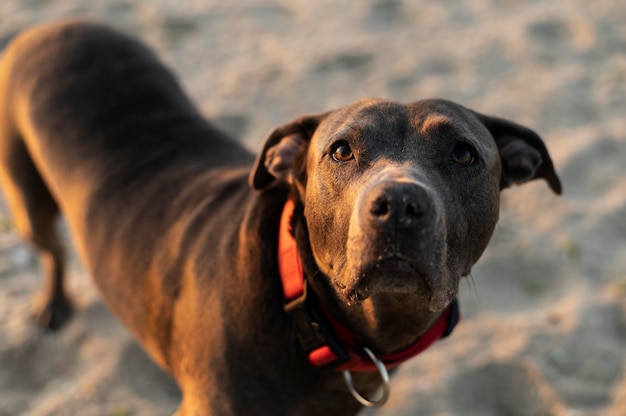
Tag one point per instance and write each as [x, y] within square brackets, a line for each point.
[389, 205]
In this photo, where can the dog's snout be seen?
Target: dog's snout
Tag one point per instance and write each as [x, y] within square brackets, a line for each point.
[398, 204]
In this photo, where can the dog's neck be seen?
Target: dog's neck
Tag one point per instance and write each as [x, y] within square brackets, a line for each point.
[376, 322]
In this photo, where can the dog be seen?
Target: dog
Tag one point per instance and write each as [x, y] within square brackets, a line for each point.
[257, 281]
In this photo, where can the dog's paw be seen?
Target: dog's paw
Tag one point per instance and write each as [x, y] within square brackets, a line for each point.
[53, 316]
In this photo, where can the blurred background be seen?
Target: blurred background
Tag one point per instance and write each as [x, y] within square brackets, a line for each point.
[544, 312]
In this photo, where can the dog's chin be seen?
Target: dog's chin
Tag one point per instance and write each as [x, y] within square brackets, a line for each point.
[397, 276]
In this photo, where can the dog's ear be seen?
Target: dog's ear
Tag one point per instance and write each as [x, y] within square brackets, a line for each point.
[283, 154]
[523, 154]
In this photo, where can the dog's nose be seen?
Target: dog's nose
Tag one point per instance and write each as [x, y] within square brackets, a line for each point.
[399, 204]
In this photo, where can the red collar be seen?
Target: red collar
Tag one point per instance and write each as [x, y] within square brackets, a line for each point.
[326, 341]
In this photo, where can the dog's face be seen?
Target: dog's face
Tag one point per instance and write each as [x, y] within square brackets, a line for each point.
[400, 200]
[394, 194]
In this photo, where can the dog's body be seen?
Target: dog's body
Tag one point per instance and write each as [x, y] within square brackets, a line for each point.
[395, 203]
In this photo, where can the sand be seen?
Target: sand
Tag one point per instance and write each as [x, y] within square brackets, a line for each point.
[544, 313]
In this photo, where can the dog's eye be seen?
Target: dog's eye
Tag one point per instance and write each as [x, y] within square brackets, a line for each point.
[463, 154]
[341, 152]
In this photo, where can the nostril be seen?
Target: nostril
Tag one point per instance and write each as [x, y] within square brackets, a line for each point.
[412, 210]
[380, 207]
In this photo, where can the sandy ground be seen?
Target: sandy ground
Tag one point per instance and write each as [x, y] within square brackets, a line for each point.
[544, 329]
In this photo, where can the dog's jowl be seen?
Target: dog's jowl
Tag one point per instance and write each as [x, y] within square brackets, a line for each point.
[266, 284]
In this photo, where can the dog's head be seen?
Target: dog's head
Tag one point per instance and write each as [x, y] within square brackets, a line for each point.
[399, 202]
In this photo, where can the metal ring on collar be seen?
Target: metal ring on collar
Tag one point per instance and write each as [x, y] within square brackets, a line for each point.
[384, 375]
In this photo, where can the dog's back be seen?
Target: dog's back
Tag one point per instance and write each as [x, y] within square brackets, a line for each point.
[90, 93]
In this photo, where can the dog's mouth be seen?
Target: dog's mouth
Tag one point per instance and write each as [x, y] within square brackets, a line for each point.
[399, 275]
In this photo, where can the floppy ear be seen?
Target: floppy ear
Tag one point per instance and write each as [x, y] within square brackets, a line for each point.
[523, 154]
[282, 156]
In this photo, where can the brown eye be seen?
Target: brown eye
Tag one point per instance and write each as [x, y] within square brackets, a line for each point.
[342, 152]
[463, 154]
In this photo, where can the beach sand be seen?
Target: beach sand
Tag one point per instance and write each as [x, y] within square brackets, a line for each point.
[544, 312]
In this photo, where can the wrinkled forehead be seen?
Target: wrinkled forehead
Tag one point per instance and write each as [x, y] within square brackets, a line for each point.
[364, 118]
[392, 123]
